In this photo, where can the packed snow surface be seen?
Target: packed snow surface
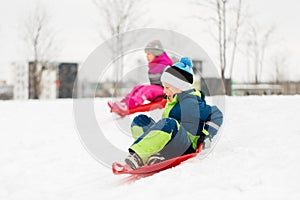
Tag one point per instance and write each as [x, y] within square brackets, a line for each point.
[257, 155]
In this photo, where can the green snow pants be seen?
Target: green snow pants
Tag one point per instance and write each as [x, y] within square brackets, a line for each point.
[165, 136]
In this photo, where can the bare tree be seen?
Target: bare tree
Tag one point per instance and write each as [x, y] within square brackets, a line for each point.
[117, 17]
[264, 44]
[279, 62]
[236, 33]
[260, 41]
[249, 57]
[40, 42]
[219, 20]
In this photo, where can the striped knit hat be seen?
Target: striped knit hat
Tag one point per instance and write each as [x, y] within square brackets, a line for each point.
[180, 75]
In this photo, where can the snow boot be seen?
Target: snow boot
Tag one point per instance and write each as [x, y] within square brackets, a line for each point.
[120, 106]
[155, 158]
[134, 161]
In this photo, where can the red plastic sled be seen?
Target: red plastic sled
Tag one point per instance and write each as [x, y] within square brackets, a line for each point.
[118, 168]
[141, 108]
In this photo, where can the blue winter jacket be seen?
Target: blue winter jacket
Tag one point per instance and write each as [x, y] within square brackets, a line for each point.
[189, 108]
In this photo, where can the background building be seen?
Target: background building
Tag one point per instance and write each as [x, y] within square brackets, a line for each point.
[6, 91]
[57, 80]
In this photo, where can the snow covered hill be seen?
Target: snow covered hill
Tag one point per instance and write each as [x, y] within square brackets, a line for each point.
[256, 157]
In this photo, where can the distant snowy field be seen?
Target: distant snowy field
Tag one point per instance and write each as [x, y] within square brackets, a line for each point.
[256, 157]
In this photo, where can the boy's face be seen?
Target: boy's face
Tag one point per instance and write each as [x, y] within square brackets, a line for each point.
[150, 57]
[170, 91]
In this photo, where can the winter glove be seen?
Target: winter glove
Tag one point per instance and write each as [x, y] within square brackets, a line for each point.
[143, 121]
[206, 139]
[207, 142]
[140, 125]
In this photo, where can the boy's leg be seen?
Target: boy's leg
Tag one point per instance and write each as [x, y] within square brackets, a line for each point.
[166, 133]
[140, 125]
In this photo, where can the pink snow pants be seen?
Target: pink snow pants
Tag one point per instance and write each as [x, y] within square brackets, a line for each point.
[140, 93]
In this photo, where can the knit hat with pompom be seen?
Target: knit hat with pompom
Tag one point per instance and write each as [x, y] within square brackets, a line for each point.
[180, 75]
[155, 47]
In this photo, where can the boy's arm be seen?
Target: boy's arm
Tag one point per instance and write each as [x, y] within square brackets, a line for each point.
[213, 122]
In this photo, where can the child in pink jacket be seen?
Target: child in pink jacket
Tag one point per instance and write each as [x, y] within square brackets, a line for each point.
[158, 60]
